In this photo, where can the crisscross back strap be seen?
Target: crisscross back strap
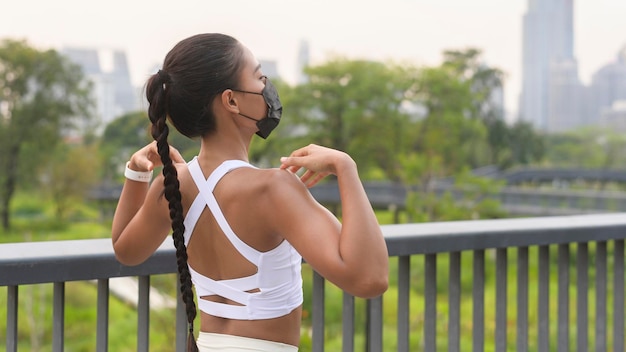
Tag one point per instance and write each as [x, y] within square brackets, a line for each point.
[205, 188]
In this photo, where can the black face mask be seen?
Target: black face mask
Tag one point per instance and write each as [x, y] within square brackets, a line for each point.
[274, 109]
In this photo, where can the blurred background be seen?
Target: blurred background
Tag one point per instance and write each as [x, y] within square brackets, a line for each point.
[453, 109]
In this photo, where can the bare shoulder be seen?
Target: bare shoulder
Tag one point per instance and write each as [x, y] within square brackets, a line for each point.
[266, 192]
[279, 184]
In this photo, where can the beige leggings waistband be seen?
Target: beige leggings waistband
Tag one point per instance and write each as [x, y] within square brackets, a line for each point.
[210, 342]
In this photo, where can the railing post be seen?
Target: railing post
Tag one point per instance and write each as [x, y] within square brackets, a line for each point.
[601, 293]
[58, 316]
[347, 320]
[404, 289]
[582, 296]
[501, 298]
[563, 300]
[454, 302]
[143, 314]
[102, 327]
[478, 298]
[618, 296]
[522, 299]
[181, 321]
[430, 303]
[318, 312]
[543, 306]
[375, 324]
[12, 299]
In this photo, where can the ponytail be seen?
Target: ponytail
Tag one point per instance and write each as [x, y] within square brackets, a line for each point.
[156, 93]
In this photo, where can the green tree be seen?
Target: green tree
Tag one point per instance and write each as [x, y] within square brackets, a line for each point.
[484, 81]
[42, 95]
[447, 131]
[357, 106]
[120, 138]
[68, 175]
[508, 145]
[527, 146]
[587, 148]
[127, 134]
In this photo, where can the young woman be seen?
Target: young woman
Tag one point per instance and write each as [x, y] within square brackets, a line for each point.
[240, 232]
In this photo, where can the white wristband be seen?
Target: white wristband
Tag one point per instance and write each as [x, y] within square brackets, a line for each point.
[139, 176]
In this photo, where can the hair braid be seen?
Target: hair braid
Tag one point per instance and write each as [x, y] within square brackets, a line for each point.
[194, 73]
[160, 131]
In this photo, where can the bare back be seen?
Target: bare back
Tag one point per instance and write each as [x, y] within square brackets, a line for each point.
[240, 197]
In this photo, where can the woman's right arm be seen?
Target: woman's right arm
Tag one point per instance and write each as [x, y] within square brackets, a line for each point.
[141, 221]
[352, 254]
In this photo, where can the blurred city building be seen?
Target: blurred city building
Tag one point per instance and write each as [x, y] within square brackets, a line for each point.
[113, 92]
[304, 58]
[269, 68]
[553, 98]
[548, 45]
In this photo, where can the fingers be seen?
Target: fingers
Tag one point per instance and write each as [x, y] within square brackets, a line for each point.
[176, 156]
[147, 158]
[293, 164]
[313, 179]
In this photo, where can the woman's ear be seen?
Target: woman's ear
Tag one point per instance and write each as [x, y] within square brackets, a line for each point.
[229, 101]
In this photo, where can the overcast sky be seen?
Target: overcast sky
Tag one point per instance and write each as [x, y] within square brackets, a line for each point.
[401, 30]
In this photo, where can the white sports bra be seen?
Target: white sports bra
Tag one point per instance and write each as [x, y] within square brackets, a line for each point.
[278, 278]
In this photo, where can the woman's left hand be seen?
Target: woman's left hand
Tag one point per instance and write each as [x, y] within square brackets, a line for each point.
[147, 158]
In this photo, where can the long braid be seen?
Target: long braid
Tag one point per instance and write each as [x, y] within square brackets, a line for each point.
[160, 131]
[193, 74]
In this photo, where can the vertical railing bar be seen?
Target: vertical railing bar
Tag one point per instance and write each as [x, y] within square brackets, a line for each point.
[348, 323]
[182, 327]
[522, 299]
[454, 303]
[601, 294]
[143, 314]
[102, 325]
[563, 298]
[544, 299]
[58, 316]
[501, 298]
[618, 297]
[404, 287]
[430, 302]
[375, 324]
[318, 312]
[582, 297]
[12, 308]
[478, 299]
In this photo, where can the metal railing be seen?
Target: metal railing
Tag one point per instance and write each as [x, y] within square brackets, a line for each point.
[543, 321]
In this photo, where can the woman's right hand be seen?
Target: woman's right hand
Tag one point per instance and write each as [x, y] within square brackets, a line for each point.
[318, 162]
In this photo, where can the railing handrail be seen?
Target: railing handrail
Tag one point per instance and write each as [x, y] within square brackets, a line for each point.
[26, 263]
[59, 261]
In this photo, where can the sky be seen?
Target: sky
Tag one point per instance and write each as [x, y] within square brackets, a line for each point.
[415, 31]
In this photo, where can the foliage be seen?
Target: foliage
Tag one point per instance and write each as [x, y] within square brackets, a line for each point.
[470, 198]
[356, 106]
[587, 148]
[42, 96]
[127, 134]
[68, 175]
[507, 145]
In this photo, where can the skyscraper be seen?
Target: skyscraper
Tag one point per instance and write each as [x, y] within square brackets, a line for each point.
[548, 43]
[304, 56]
[113, 92]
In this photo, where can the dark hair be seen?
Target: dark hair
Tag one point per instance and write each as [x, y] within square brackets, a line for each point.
[194, 72]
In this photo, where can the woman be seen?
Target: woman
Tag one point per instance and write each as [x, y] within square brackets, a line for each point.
[240, 232]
